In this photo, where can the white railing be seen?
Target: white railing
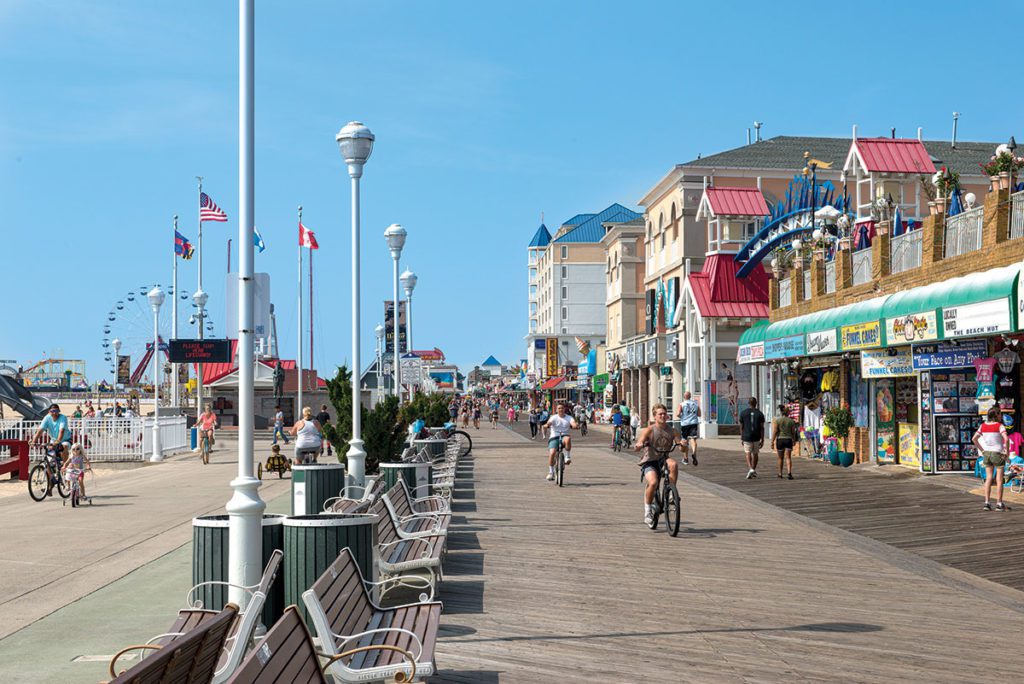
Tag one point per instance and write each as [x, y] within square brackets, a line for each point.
[1017, 215]
[862, 266]
[963, 232]
[905, 252]
[830, 277]
[109, 439]
[785, 292]
[807, 285]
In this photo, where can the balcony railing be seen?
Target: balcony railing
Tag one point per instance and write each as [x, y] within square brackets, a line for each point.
[830, 277]
[862, 266]
[963, 232]
[785, 292]
[905, 252]
[1017, 215]
[807, 284]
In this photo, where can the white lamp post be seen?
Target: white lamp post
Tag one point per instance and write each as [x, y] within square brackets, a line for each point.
[395, 236]
[408, 279]
[379, 331]
[156, 300]
[199, 298]
[355, 141]
[245, 509]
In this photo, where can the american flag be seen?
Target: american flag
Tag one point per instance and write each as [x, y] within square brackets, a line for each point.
[208, 209]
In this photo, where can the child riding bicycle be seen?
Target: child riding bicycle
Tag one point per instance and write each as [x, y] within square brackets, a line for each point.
[74, 468]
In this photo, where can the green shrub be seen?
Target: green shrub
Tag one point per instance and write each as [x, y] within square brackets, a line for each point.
[432, 408]
[383, 433]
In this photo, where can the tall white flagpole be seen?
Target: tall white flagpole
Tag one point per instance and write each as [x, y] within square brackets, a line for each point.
[298, 354]
[245, 509]
[199, 291]
[174, 316]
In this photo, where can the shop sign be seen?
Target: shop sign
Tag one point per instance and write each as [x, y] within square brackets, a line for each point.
[784, 347]
[823, 342]
[666, 371]
[551, 362]
[600, 382]
[883, 363]
[983, 318]
[862, 335]
[652, 351]
[945, 355]
[909, 445]
[630, 357]
[919, 327]
[751, 353]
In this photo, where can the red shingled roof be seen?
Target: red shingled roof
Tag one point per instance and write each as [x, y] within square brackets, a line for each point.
[552, 383]
[736, 201]
[894, 155]
[718, 293]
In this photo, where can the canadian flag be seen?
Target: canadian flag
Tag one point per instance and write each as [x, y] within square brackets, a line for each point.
[307, 238]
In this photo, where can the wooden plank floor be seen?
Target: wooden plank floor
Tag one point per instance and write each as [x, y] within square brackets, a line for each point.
[556, 585]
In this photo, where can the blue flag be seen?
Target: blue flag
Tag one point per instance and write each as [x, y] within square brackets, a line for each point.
[955, 203]
[897, 222]
[258, 239]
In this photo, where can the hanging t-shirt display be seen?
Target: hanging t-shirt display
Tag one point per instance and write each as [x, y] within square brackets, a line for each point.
[986, 390]
[1007, 381]
[926, 422]
[809, 384]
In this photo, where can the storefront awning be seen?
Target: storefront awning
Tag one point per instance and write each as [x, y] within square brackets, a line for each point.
[974, 305]
[552, 383]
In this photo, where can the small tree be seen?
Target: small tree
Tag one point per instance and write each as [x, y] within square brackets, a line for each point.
[339, 389]
[839, 421]
[383, 433]
[432, 408]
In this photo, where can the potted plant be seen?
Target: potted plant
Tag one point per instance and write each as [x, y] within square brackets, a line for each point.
[839, 421]
[1002, 168]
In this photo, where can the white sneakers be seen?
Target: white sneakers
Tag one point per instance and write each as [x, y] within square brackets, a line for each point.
[551, 476]
[568, 458]
[648, 516]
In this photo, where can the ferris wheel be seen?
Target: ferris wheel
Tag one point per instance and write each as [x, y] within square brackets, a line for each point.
[130, 322]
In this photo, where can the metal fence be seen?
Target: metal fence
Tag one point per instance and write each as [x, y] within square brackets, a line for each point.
[905, 252]
[785, 292]
[1017, 215]
[963, 232]
[830, 277]
[862, 266]
[109, 439]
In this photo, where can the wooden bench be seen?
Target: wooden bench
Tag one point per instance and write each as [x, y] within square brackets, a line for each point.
[427, 503]
[397, 555]
[346, 619]
[345, 504]
[192, 658]
[409, 522]
[286, 654]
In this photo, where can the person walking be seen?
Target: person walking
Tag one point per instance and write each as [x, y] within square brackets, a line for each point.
[991, 441]
[324, 418]
[279, 425]
[534, 416]
[752, 435]
[689, 426]
[783, 438]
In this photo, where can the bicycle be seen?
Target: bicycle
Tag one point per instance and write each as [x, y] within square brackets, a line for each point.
[583, 427]
[618, 439]
[44, 476]
[73, 479]
[204, 446]
[666, 498]
[560, 463]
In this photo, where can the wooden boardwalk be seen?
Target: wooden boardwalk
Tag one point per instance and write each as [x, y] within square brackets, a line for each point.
[556, 585]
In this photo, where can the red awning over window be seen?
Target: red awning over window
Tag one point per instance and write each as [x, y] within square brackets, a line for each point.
[552, 383]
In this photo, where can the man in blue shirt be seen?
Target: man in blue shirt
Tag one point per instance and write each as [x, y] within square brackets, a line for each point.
[56, 427]
[616, 424]
[689, 425]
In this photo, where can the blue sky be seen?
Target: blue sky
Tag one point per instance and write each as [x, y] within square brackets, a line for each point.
[485, 116]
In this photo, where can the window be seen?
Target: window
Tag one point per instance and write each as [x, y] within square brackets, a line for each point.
[565, 271]
[533, 291]
[749, 230]
[533, 274]
[565, 313]
[533, 326]
[533, 308]
[663, 240]
[565, 251]
[565, 292]
[533, 257]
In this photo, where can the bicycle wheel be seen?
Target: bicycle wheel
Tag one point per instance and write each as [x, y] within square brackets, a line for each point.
[464, 441]
[656, 513]
[63, 488]
[259, 471]
[672, 512]
[38, 482]
[560, 468]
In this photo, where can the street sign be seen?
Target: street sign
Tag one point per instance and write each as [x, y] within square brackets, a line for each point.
[199, 351]
[412, 370]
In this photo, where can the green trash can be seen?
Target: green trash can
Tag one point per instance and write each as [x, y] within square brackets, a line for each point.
[210, 562]
[435, 447]
[313, 542]
[313, 484]
[415, 475]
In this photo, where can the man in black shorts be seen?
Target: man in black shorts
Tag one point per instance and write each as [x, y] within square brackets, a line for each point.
[689, 425]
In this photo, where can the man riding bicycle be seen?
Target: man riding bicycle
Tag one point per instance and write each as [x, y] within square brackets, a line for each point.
[617, 432]
[657, 440]
[559, 426]
[56, 427]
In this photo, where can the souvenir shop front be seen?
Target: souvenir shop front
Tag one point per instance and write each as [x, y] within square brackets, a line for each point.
[918, 369]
